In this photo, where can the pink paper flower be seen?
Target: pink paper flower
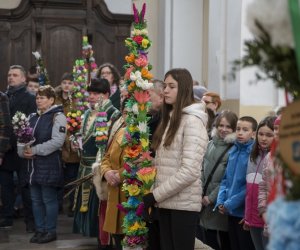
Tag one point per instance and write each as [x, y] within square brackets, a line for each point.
[141, 61]
[141, 96]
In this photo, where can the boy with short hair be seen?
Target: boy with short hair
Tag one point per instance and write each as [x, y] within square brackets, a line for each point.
[32, 85]
[232, 192]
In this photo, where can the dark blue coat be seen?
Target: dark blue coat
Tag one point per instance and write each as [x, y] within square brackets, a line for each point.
[45, 170]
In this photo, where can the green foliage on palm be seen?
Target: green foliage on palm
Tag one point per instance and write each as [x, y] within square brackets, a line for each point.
[275, 62]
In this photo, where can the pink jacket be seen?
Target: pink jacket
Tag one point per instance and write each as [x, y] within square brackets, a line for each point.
[254, 178]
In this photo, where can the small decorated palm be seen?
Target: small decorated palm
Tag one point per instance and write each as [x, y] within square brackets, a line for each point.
[139, 172]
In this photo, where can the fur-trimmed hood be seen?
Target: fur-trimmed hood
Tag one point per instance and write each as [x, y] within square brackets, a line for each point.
[230, 138]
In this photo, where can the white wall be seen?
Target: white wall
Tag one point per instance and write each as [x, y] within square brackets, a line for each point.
[119, 6]
[227, 33]
[9, 4]
[215, 41]
[179, 36]
[223, 46]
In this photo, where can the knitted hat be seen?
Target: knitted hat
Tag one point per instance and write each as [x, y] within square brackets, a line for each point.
[278, 120]
[198, 92]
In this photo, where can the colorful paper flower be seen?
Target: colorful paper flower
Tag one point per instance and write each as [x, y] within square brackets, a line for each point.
[133, 190]
[147, 174]
[136, 138]
[141, 96]
[130, 58]
[134, 151]
[141, 61]
[143, 127]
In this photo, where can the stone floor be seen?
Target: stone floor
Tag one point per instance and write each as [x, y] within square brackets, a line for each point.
[17, 238]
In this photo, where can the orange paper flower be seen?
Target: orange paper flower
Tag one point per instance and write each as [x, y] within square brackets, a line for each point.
[131, 86]
[142, 107]
[130, 58]
[133, 151]
[146, 73]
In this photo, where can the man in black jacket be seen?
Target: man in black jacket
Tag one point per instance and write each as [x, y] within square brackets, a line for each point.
[5, 126]
[19, 100]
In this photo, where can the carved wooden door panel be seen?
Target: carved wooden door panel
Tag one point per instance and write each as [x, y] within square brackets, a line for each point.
[55, 28]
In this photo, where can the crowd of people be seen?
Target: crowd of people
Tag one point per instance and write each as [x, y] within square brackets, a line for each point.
[213, 168]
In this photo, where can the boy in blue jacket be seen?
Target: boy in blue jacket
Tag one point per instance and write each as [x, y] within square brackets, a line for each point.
[232, 192]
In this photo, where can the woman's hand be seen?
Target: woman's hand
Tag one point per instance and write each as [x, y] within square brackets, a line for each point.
[28, 153]
[205, 201]
[112, 177]
[74, 146]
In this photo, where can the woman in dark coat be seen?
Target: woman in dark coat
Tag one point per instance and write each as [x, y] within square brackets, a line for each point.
[44, 163]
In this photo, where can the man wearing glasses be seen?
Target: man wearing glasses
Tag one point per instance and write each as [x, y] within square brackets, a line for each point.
[213, 103]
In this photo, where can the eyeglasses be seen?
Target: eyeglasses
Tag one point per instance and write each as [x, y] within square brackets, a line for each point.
[208, 102]
[106, 73]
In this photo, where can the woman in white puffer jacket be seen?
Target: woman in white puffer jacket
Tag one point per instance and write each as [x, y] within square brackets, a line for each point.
[180, 143]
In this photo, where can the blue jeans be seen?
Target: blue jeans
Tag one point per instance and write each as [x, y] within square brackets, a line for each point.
[45, 207]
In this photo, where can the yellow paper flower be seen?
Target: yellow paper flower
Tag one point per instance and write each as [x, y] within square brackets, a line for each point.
[145, 43]
[85, 39]
[133, 190]
[144, 143]
[136, 226]
[128, 43]
[132, 128]
[147, 174]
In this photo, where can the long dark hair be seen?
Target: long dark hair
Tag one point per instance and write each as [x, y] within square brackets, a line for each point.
[185, 97]
[267, 121]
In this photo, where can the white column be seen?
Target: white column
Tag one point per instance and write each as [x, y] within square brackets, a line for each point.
[186, 36]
